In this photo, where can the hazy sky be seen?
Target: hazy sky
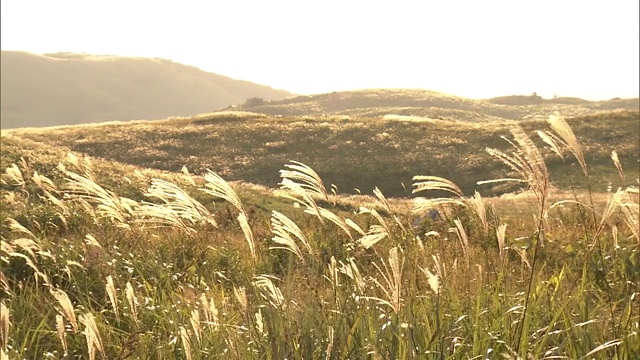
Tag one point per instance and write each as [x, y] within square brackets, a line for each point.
[476, 49]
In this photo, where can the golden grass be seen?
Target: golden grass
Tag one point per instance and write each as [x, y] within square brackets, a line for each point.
[248, 234]
[209, 310]
[464, 240]
[133, 301]
[186, 343]
[5, 326]
[282, 228]
[477, 204]
[92, 334]
[195, 324]
[501, 234]
[422, 205]
[259, 322]
[269, 291]
[391, 284]
[618, 165]
[113, 295]
[218, 187]
[351, 270]
[527, 162]
[375, 234]
[240, 294]
[65, 307]
[337, 220]
[62, 335]
[13, 176]
[108, 205]
[564, 132]
[177, 210]
[432, 280]
[306, 177]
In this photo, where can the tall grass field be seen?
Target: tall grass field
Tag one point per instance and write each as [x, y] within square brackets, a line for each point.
[104, 260]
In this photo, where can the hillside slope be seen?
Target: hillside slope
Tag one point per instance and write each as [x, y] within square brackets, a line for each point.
[61, 89]
[358, 153]
[435, 105]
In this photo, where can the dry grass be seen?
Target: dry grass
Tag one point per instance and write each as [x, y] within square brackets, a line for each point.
[282, 228]
[133, 301]
[65, 307]
[310, 280]
[237, 150]
[113, 295]
[92, 334]
[5, 326]
[391, 284]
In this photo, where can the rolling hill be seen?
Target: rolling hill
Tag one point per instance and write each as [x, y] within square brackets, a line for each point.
[350, 153]
[65, 88]
[430, 104]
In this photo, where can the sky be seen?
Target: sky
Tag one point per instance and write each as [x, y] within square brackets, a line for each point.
[476, 49]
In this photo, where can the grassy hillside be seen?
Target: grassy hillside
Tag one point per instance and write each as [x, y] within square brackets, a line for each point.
[431, 104]
[100, 259]
[356, 153]
[58, 89]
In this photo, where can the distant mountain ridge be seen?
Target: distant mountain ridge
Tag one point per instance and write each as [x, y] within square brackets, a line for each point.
[69, 88]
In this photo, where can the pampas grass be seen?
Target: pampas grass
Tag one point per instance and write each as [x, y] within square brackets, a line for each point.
[306, 177]
[195, 324]
[216, 186]
[391, 284]
[422, 205]
[298, 194]
[501, 235]
[477, 204]
[527, 162]
[133, 301]
[432, 280]
[94, 340]
[209, 310]
[464, 240]
[108, 204]
[5, 326]
[62, 335]
[186, 343]
[92, 241]
[563, 130]
[65, 307]
[351, 270]
[375, 234]
[112, 294]
[435, 183]
[384, 202]
[269, 291]
[259, 322]
[179, 202]
[13, 176]
[618, 165]
[282, 228]
[248, 234]
[240, 294]
[302, 184]
[631, 211]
